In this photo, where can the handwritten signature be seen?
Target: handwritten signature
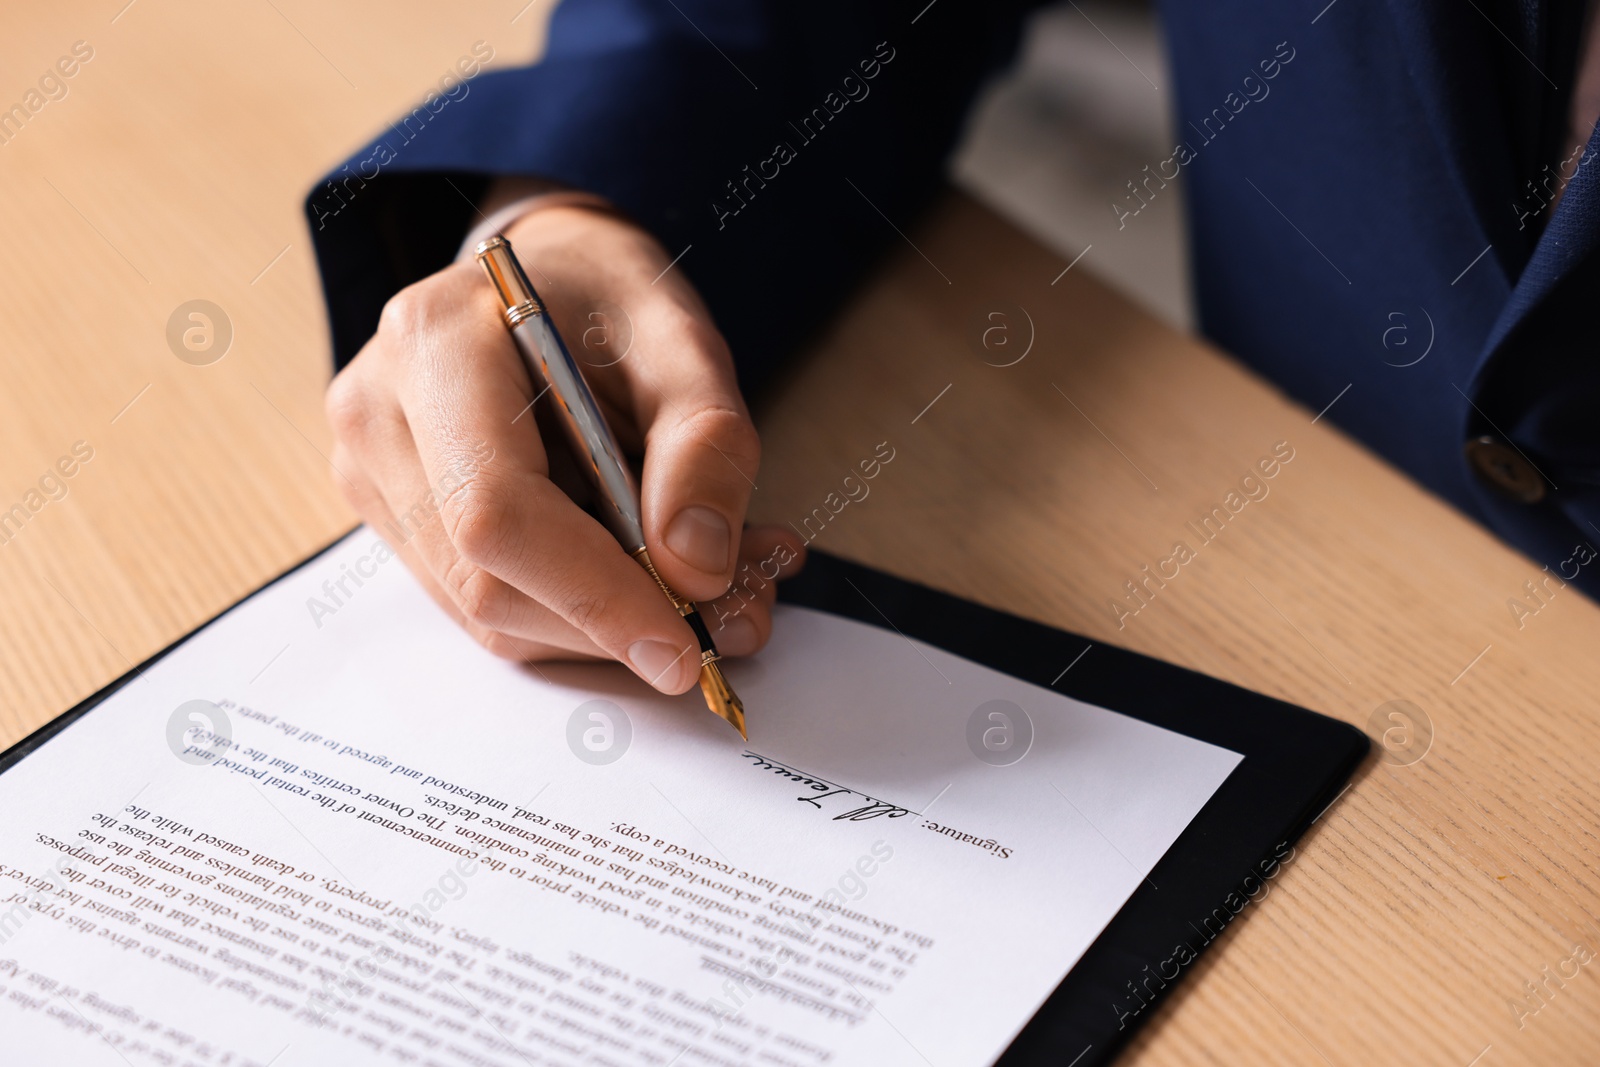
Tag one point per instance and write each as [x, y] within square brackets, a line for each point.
[822, 789]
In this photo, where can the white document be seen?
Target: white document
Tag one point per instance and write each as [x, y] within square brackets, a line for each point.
[330, 829]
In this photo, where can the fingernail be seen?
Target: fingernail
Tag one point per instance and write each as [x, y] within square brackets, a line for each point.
[700, 537]
[659, 663]
[737, 637]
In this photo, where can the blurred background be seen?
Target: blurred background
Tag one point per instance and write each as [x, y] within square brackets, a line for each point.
[1051, 143]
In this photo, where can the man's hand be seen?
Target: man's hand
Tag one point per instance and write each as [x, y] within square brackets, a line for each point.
[436, 447]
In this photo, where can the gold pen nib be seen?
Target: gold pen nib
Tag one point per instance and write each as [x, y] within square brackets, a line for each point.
[721, 698]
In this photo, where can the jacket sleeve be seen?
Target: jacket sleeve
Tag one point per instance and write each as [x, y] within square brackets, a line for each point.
[775, 145]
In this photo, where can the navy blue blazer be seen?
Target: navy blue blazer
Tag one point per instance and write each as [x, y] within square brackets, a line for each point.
[1368, 187]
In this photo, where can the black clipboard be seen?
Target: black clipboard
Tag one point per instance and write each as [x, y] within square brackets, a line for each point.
[1295, 765]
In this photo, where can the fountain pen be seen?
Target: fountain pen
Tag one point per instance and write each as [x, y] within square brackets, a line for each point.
[552, 367]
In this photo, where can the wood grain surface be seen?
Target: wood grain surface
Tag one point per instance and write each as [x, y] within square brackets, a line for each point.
[1442, 912]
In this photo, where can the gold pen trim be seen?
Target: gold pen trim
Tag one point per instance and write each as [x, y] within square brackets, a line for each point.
[510, 284]
[524, 311]
[720, 697]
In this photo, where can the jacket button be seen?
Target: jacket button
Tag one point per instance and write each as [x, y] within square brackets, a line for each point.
[1505, 470]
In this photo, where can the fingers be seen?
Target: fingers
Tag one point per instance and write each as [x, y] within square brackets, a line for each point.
[701, 457]
[671, 376]
[405, 512]
[509, 522]
[741, 620]
[430, 337]
[435, 422]
[369, 503]
[512, 552]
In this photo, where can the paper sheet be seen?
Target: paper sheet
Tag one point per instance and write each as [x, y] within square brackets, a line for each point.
[329, 829]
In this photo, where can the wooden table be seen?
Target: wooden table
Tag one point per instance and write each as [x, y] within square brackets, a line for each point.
[1416, 911]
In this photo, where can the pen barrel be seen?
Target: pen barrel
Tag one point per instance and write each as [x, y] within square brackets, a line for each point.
[552, 367]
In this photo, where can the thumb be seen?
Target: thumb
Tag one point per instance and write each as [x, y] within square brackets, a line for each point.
[700, 462]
